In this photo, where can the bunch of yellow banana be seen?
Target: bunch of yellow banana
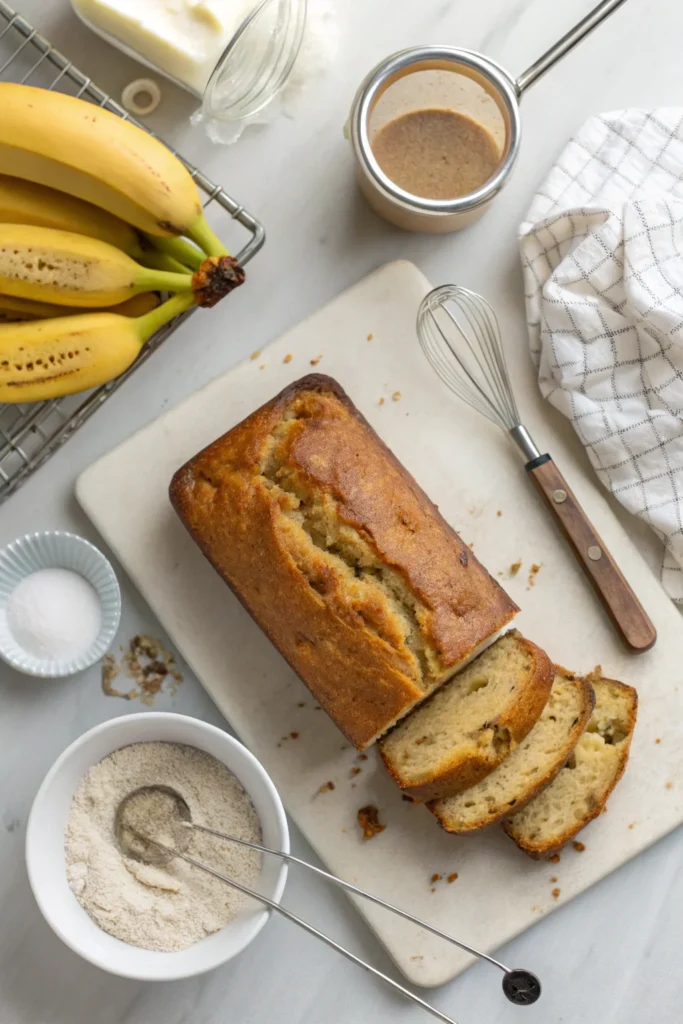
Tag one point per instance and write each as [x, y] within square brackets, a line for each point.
[96, 218]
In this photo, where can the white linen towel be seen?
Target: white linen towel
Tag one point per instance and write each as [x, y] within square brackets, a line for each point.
[602, 252]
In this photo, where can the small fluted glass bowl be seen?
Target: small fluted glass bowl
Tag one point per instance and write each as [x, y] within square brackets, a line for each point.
[57, 550]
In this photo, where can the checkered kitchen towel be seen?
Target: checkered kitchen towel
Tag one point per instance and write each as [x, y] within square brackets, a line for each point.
[602, 252]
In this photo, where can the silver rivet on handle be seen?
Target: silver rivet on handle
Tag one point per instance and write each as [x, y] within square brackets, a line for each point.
[595, 553]
[559, 496]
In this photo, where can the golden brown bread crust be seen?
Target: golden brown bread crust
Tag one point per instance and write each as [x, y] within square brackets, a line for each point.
[560, 839]
[466, 768]
[368, 632]
[533, 789]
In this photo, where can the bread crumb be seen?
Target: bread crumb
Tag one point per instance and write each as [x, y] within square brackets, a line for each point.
[514, 568]
[381, 401]
[362, 757]
[288, 358]
[417, 958]
[533, 573]
[432, 889]
[579, 847]
[556, 893]
[314, 362]
[408, 799]
[294, 735]
[452, 878]
[396, 397]
[435, 878]
[368, 819]
[632, 825]
[555, 859]
[327, 787]
[262, 366]
[499, 513]
[256, 354]
[669, 785]
[370, 337]
[355, 771]
[553, 879]
[301, 704]
[658, 740]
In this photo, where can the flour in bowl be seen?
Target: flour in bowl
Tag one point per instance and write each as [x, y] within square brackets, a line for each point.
[169, 907]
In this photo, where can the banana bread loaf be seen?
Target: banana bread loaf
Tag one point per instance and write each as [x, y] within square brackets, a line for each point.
[339, 556]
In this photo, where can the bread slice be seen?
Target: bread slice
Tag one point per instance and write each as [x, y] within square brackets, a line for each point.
[534, 763]
[471, 725]
[580, 791]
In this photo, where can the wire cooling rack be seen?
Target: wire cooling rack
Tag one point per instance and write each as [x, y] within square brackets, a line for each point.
[30, 434]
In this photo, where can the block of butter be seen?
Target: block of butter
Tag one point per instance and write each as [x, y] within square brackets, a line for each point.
[181, 38]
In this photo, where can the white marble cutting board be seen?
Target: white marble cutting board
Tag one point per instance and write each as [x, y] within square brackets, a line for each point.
[467, 467]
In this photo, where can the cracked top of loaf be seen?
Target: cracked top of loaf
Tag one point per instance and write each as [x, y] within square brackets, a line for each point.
[342, 560]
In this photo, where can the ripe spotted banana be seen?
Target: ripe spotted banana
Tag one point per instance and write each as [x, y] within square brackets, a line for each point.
[24, 202]
[50, 358]
[13, 309]
[45, 265]
[76, 147]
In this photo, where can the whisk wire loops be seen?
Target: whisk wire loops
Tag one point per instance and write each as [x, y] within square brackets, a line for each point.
[460, 336]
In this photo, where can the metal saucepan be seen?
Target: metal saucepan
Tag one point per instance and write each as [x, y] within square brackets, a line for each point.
[486, 91]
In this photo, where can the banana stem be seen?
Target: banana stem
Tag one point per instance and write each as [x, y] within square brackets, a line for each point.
[162, 261]
[210, 243]
[146, 325]
[180, 249]
[147, 280]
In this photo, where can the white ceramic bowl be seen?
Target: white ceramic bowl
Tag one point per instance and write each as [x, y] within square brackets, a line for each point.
[55, 550]
[45, 848]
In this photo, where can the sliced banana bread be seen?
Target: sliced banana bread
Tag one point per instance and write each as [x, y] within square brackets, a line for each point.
[580, 791]
[471, 725]
[530, 767]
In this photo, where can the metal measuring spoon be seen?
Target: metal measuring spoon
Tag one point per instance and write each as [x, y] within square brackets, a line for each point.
[131, 825]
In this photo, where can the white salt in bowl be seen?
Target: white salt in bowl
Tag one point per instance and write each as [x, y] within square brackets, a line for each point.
[46, 862]
[56, 550]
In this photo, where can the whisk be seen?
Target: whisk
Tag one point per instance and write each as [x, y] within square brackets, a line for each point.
[460, 336]
[521, 987]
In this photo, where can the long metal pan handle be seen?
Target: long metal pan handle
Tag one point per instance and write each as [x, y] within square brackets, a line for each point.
[568, 41]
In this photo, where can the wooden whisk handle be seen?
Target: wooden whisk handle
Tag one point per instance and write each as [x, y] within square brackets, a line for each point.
[622, 605]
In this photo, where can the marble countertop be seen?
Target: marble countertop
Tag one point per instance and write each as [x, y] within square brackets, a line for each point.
[611, 955]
